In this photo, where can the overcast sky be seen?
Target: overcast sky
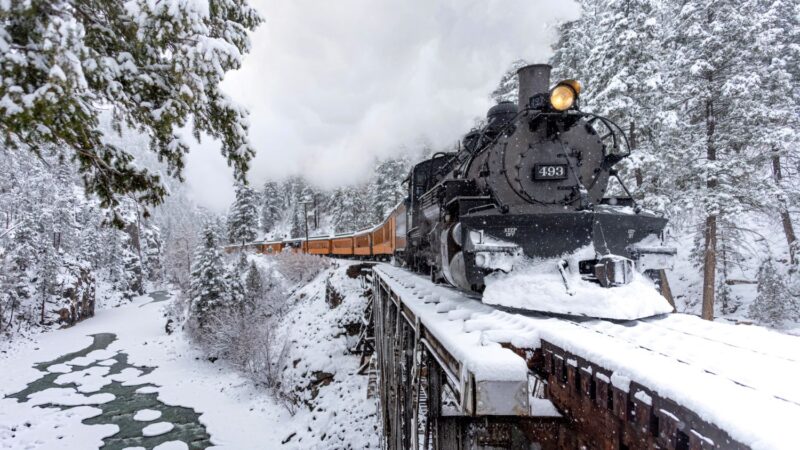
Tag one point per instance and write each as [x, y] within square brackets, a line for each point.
[331, 85]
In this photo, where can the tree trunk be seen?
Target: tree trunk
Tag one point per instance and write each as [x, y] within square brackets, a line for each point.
[709, 267]
[710, 251]
[44, 300]
[137, 242]
[637, 172]
[786, 220]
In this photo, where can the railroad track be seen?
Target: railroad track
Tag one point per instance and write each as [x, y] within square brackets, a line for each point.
[715, 357]
[673, 381]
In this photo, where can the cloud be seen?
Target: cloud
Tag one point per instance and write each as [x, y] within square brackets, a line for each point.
[332, 85]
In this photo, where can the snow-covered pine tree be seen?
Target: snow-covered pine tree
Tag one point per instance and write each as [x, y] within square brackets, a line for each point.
[132, 282]
[345, 207]
[208, 288]
[625, 70]
[573, 50]
[776, 115]
[774, 303]
[241, 263]
[235, 293]
[271, 206]
[155, 64]
[243, 216]
[298, 222]
[253, 286]
[89, 239]
[707, 79]
[24, 251]
[112, 260]
[46, 275]
[151, 252]
[386, 188]
[508, 88]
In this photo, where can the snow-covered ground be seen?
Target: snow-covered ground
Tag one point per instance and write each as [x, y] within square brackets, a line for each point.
[321, 334]
[133, 370]
[739, 269]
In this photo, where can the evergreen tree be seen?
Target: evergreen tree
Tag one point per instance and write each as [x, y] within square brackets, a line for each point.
[573, 50]
[508, 89]
[271, 206]
[132, 278]
[254, 286]
[386, 189]
[775, 117]
[774, 303]
[235, 293]
[243, 217]
[46, 276]
[707, 78]
[24, 240]
[242, 263]
[298, 222]
[90, 251]
[627, 82]
[151, 252]
[208, 281]
[154, 64]
[346, 210]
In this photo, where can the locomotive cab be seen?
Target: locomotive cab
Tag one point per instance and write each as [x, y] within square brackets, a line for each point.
[422, 178]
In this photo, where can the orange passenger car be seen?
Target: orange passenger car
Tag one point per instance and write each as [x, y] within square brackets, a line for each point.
[383, 238]
[272, 247]
[382, 241]
[342, 245]
[319, 246]
[362, 245]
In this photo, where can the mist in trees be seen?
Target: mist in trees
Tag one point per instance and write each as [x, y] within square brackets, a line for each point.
[282, 205]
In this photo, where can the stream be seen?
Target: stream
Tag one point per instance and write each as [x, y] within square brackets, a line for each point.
[156, 424]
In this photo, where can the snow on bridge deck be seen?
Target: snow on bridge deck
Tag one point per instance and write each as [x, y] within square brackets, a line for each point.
[742, 379]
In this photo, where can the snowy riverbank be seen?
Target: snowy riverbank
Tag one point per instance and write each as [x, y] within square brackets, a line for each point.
[181, 377]
[230, 409]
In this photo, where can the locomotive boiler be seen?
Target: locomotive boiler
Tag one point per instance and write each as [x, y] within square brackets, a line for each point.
[532, 183]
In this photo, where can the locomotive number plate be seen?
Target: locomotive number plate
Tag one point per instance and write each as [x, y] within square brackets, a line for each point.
[549, 171]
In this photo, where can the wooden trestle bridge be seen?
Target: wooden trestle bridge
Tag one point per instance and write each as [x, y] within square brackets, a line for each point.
[453, 373]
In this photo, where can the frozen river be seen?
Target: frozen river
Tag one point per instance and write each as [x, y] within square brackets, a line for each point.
[119, 381]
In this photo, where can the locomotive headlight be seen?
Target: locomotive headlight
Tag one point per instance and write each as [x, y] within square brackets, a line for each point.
[562, 97]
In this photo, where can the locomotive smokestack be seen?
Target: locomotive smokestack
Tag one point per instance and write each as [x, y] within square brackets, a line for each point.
[533, 79]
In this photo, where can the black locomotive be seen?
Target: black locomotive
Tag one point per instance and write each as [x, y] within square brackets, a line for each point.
[532, 182]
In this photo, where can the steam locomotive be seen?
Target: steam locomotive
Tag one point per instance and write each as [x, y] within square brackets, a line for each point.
[533, 182]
